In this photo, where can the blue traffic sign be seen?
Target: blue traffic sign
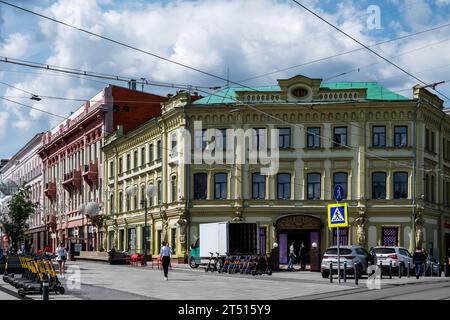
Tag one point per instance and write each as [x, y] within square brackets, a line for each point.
[337, 215]
[338, 192]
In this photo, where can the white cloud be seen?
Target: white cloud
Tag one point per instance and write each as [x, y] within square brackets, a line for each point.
[249, 37]
[15, 45]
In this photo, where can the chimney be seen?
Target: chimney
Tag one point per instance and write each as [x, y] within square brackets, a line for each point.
[132, 84]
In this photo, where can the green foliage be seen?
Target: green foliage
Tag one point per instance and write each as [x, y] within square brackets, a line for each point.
[21, 208]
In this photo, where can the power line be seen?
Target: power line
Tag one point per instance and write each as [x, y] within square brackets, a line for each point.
[391, 57]
[344, 53]
[34, 108]
[363, 45]
[117, 42]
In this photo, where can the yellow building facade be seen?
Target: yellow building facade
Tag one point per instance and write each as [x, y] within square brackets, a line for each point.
[390, 153]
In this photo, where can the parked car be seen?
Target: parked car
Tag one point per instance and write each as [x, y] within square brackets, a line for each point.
[398, 256]
[349, 254]
[432, 265]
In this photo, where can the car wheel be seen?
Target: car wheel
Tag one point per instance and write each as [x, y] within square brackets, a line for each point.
[325, 274]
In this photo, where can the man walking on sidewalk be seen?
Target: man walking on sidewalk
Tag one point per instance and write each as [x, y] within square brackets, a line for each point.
[418, 260]
[165, 258]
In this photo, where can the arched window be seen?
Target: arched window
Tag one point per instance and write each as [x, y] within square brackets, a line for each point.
[258, 186]
[200, 186]
[400, 185]
[314, 186]
[283, 186]
[341, 178]
[220, 186]
[379, 185]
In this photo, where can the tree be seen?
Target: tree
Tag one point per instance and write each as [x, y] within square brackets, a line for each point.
[14, 223]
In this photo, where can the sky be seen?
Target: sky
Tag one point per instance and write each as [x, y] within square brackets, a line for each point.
[238, 39]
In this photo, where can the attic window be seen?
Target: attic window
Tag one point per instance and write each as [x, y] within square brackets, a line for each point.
[116, 108]
[299, 92]
[126, 108]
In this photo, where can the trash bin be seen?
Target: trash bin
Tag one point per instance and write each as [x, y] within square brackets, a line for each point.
[274, 258]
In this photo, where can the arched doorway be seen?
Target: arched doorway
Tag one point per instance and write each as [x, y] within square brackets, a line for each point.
[297, 228]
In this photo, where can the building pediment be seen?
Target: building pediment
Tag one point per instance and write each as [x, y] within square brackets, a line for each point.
[300, 88]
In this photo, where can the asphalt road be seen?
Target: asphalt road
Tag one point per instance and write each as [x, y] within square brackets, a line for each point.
[100, 281]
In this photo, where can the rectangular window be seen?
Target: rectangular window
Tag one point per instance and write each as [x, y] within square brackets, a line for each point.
[173, 190]
[200, 139]
[427, 187]
[111, 169]
[343, 236]
[200, 186]
[135, 155]
[150, 152]
[389, 236]
[427, 140]
[159, 150]
[313, 138]
[142, 156]
[120, 165]
[160, 192]
[379, 136]
[341, 178]
[340, 137]
[128, 161]
[432, 188]
[401, 136]
[284, 138]
[400, 185]
[259, 138]
[221, 140]
[173, 145]
[433, 141]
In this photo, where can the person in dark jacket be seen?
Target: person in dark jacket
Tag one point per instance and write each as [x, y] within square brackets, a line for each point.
[418, 260]
[302, 255]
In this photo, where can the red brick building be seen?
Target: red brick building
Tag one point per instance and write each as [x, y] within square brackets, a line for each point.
[72, 161]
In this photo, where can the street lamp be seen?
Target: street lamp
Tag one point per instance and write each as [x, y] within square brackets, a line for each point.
[131, 191]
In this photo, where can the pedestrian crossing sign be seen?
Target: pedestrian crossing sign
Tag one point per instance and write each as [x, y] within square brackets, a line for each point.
[337, 215]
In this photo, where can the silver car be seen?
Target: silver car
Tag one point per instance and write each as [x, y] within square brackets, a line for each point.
[349, 255]
[398, 257]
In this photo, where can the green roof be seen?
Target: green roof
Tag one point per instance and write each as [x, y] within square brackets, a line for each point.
[375, 91]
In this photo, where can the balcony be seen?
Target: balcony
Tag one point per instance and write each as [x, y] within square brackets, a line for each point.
[72, 180]
[90, 174]
[50, 190]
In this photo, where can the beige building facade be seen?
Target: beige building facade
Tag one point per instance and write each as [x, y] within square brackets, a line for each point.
[390, 153]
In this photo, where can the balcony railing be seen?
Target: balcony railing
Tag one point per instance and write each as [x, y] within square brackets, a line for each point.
[90, 174]
[50, 190]
[72, 180]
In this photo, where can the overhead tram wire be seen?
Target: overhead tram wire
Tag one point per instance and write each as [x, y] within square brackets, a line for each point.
[357, 69]
[363, 45]
[210, 74]
[34, 108]
[104, 76]
[344, 53]
[176, 62]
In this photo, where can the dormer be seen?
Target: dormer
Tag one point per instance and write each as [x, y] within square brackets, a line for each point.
[181, 99]
[300, 88]
[420, 92]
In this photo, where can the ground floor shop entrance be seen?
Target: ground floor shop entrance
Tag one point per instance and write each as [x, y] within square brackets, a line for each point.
[298, 229]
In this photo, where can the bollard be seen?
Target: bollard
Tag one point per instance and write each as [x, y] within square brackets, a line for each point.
[331, 272]
[400, 270]
[45, 290]
[445, 269]
[345, 271]
[390, 269]
[409, 269]
[381, 270]
[355, 266]
[439, 270]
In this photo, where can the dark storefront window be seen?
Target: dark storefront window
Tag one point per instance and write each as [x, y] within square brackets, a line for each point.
[343, 236]
[390, 236]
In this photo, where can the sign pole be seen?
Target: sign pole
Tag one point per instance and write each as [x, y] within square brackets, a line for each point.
[339, 254]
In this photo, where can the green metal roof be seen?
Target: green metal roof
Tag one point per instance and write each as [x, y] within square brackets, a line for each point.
[375, 91]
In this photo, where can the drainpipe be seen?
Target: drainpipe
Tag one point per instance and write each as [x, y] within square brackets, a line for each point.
[187, 173]
[413, 178]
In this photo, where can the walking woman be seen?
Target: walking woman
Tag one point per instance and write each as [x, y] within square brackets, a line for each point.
[165, 258]
[61, 257]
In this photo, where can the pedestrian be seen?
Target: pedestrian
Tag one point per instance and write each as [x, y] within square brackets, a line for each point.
[165, 258]
[418, 260]
[302, 253]
[291, 257]
[61, 257]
